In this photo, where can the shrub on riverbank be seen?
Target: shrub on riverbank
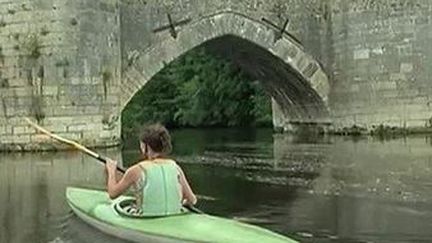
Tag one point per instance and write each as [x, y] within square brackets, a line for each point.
[199, 90]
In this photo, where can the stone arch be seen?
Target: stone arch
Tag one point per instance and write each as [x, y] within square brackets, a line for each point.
[296, 81]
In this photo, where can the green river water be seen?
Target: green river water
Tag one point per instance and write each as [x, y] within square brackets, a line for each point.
[314, 189]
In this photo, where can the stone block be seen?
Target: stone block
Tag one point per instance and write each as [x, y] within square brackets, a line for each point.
[17, 111]
[406, 67]
[50, 90]
[361, 54]
[21, 138]
[40, 138]
[76, 136]
[397, 76]
[416, 123]
[5, 129]
[7, 139]
[22, 130]
[91, 110]
[56, 127]
[16, 92]
[384, 85]
[105, 134]
[77, 127]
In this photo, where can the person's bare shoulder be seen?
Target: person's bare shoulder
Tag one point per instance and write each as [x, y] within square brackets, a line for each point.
[179, 168]
[175, 162]
[134, 171]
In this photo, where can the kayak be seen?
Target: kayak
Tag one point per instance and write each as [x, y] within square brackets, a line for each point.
[95, 208]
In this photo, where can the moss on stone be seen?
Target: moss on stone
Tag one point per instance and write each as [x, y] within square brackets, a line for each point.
[25, 7]
[34, 49]
[31, 45]
[106, 77]
[74, 21]
[36, 108]
[1, 55]
[351, 131]
[381, 131]
[62, 63]
[4, 83]
[44, 31]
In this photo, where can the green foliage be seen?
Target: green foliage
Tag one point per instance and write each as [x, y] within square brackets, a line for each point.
[199, 90]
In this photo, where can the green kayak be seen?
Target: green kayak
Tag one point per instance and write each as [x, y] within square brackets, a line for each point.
[95, 208]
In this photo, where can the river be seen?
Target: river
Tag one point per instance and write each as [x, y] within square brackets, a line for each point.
[314, 189]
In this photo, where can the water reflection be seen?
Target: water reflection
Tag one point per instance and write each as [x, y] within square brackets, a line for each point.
[32, 187]
[316, 189]
[365, 189]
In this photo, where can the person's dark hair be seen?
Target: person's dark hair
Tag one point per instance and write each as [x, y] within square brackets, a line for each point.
[157, 137]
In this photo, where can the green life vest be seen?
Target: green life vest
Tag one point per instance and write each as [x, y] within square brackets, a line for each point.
[161, 192]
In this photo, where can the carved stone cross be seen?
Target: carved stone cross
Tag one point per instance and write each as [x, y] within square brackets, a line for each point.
[281, 30]
[171, 26]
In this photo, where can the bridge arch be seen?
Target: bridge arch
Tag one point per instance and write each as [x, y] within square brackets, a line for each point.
[296, 81]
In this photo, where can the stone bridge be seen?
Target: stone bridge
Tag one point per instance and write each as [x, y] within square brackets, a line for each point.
[74, 65]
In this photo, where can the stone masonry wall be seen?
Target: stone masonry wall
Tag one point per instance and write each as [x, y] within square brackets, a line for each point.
[62, 62]
[59, 65]
[382, 63]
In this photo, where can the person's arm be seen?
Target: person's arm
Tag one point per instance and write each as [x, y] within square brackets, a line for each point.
[188, 195]
[115, 188]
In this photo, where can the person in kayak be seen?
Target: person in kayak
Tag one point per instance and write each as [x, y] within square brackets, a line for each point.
[159, 184]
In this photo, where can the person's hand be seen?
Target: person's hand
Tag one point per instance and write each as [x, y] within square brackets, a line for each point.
[186, 202]
[111, 166]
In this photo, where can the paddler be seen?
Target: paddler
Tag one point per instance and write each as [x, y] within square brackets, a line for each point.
[159, 184]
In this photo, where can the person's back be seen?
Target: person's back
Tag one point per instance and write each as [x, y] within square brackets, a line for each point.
[161, 188]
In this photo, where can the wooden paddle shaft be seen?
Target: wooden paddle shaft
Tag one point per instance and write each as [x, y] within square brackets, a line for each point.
[70, 142]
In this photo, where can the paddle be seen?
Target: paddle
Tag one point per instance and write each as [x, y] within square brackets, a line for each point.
[89, 152]
[69, 142]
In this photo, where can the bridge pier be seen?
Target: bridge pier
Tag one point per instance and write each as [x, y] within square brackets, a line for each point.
[282, 123]
[60, 66]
